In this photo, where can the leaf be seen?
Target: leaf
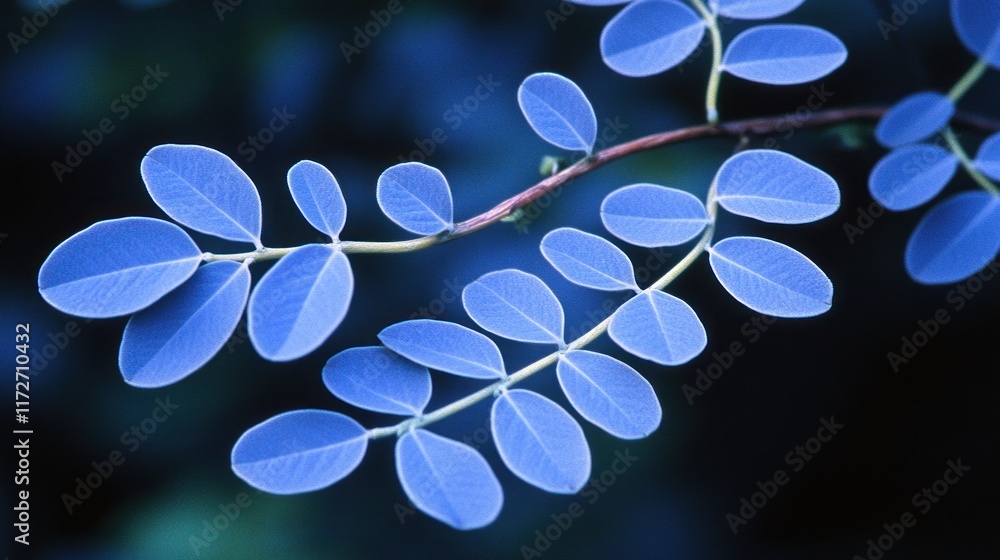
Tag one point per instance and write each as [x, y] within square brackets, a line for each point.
[658, 327]
[318, 196]
[955, 239]
[117, 267]
[558, 111]
[416, 197]
[540, 442]
[915, 118]
[912, 175]
[756, 9]
[376, 379]
[446, 347]
[177, 335]
[204, 190]
[653, 216]
[650, 37]
[771, 278]
[515, 305]
[988, 158]
[609, 393]
[448, 480]
[588, 260]
[299, 302]
[978, 25]
[776, 187]
[783, 54]
[299, 451]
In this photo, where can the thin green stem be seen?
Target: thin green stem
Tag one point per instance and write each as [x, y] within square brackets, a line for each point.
[963, 156]
[966, 82]
[715, 78]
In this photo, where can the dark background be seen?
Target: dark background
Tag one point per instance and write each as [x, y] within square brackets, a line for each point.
[225, 78]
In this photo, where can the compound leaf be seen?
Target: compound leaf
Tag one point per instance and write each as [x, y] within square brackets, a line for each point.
[175, 336]
[318, 196]
[756, 9]
[515, 305]
[771, 278]
[653, 216]
[117, 267]
[448, 480]
[915, 118]
[978, 25]
[416, 197]
[609, 393]
[540, 442]
[955, 239]
[784, 54]
[204, 190]
[912, 175]
[588, 260]
[299, 451]
[658, 327]
[988, 158]
[376, 379]
[650, 37]
[558, 111]
[299, 302]
[447, 347]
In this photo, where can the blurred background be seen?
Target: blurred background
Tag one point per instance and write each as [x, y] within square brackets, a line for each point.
[272, 83]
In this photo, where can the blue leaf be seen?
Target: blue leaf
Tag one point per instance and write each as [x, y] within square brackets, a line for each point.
[558, 111]
[915, 118]
[448, 480]
[376, 379]
[416, 197]
[446, 347]
[204, 190]
[771, 278]
[775, 187]
[299, 451]
[756, 9]
[540, 442]
[955, 239]
[117, 267]
[988, 158]
[299, 302]
[658, 327]
[171, 339]
[318, 197]
[783, 54]
[653, 216]
[650, 37]
[978, 25]
[609, 393]
[515, 305]
[588, 260]
[910, 176]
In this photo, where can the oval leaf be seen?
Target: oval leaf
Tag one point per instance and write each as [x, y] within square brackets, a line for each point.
[376, 379]
[318, 196]
[588, 260]
[446, 347]
[540, 442]
[978, 25]
[756, 9]
[784, 54]
[299, 302]
[448, 480]
[416, 197]
[515, 305]
[917, 117]
[117, 267]
[988, 158]
[299, 451]
[771, 278]
[558, 111]
[776, 187]
[910, 176]
[658, 327]
[204, 190]
[171, 339]
[955, 239]
[609, 393]
[653, 216]
[650, 37]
